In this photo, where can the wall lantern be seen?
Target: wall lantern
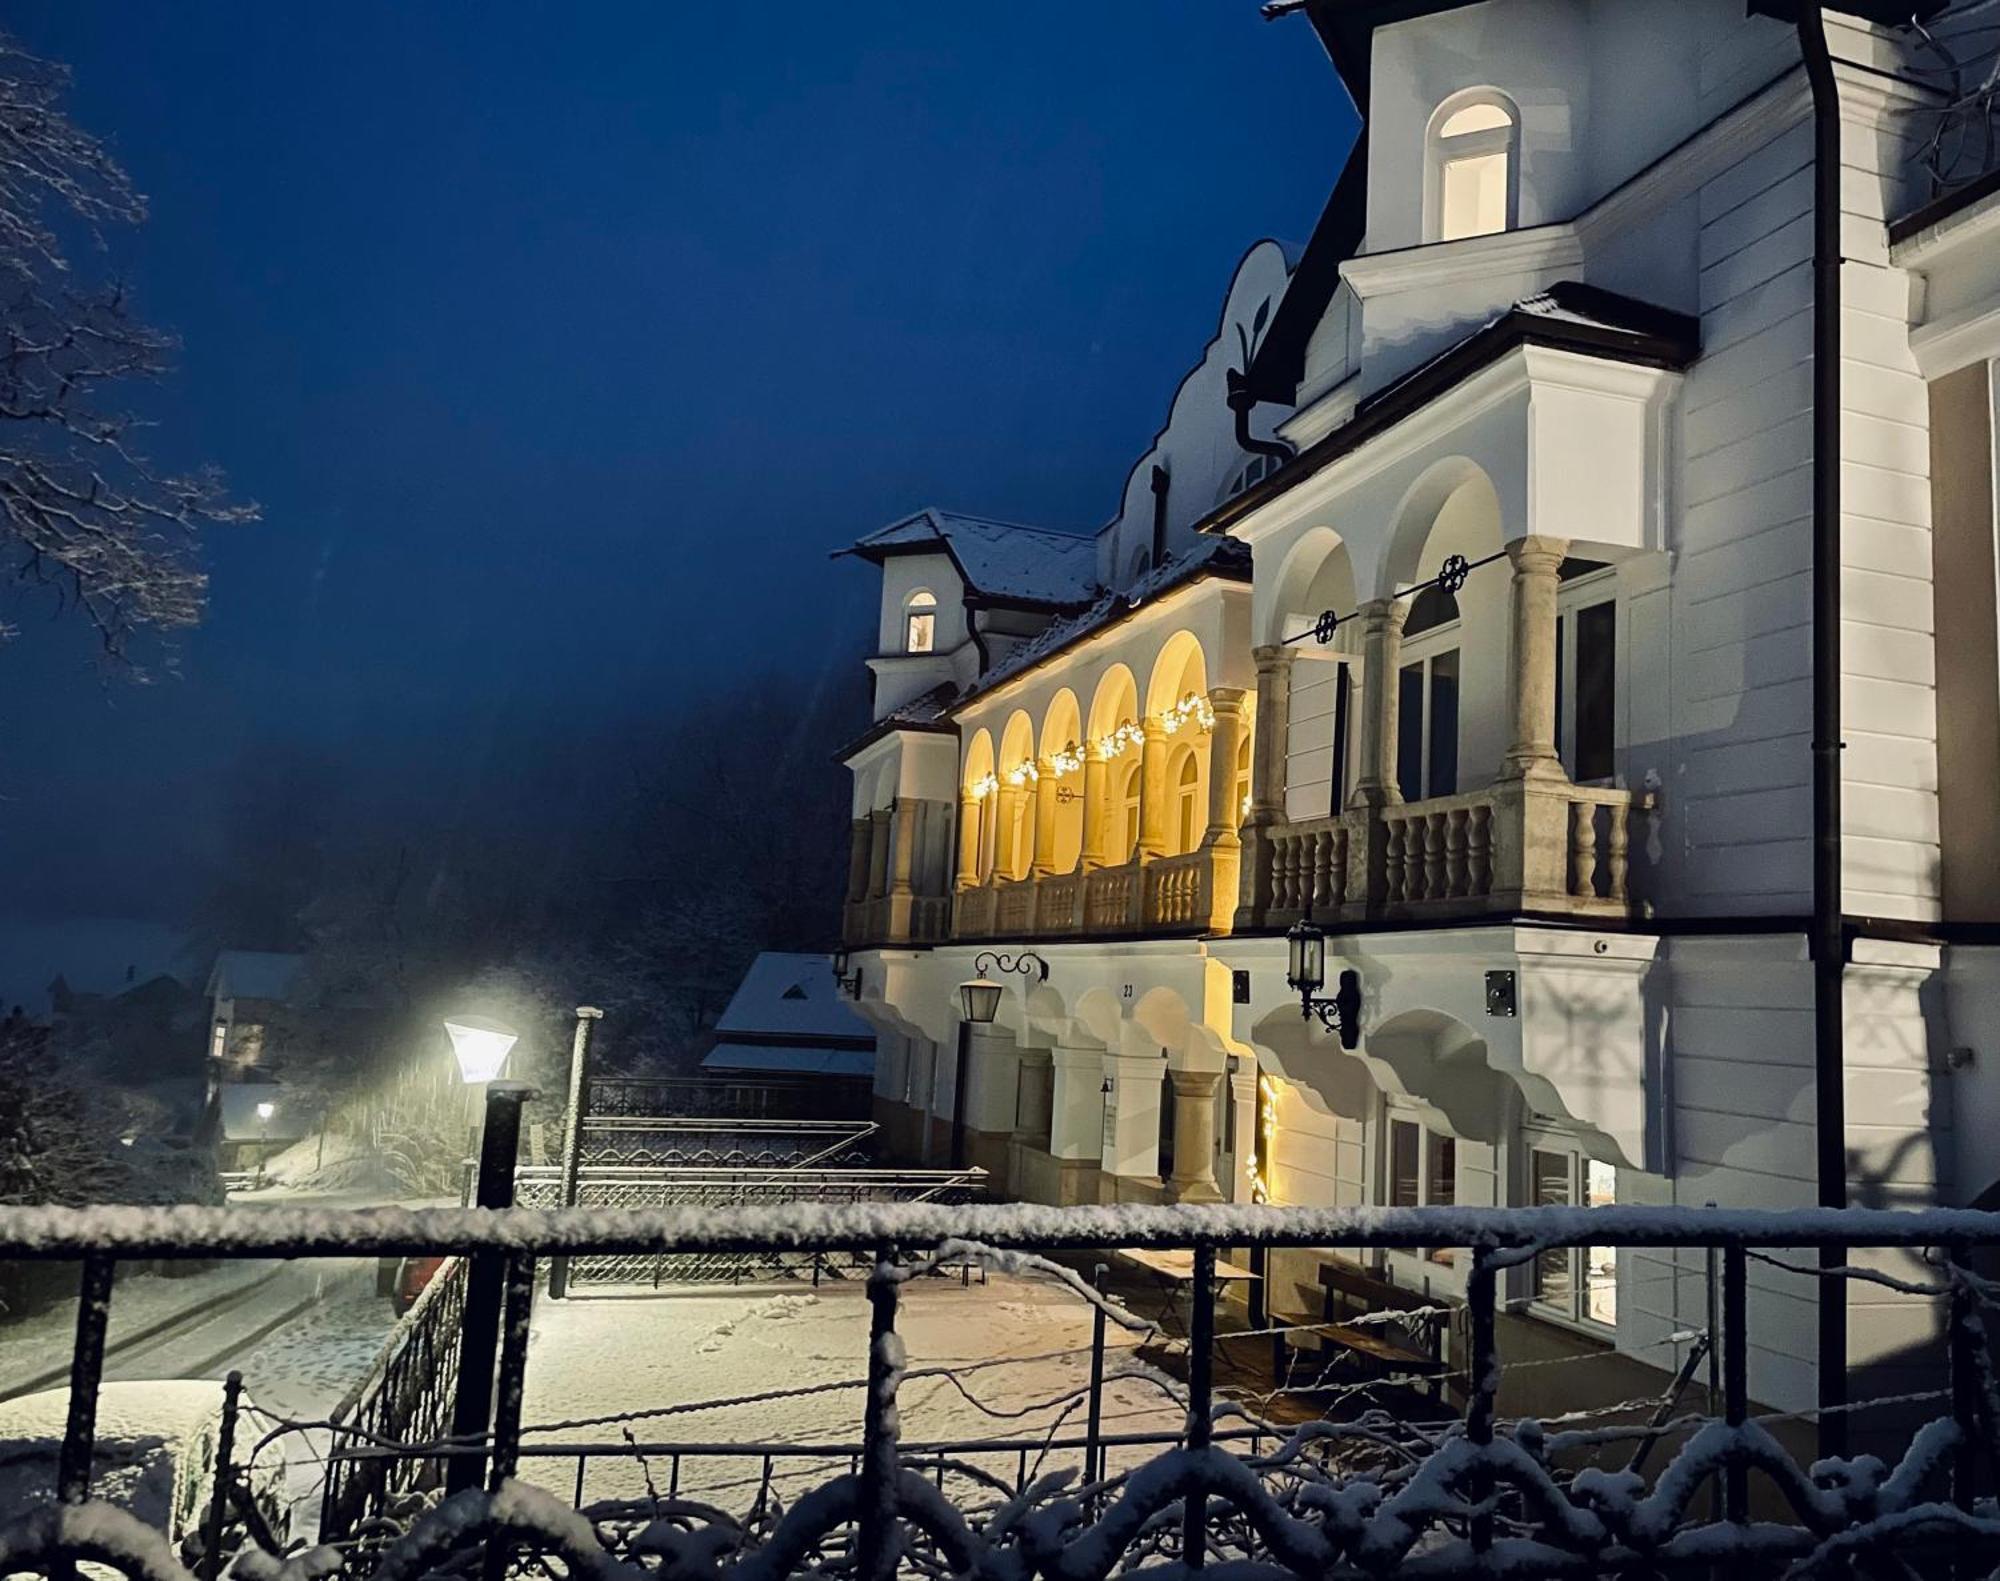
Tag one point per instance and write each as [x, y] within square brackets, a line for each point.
[849, 982]
[1305, 970]
[980, 998]
[481, 1047]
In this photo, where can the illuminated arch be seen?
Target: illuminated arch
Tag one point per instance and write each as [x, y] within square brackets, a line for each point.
[979, 827]
[1062, 757]
[1017, 796]
[1179, 671]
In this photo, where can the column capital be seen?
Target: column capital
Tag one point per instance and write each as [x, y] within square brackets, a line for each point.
[1227, 699]
[1194, 1083]
[1384, 615]
[1153, 730]
[1534, 552]
[1273, 656]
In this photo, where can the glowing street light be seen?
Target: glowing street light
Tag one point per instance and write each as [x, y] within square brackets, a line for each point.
[481, 1047]
[264, 1112]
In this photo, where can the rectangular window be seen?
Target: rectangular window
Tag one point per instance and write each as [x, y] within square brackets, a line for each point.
[1441, 776]
[1575, 1282]
[1600, 1297]
[1549, 1187]
[1341, 687]
[1410, 732]
[1596, 688]
[1427, 727]
[1473, 196]
[1405, 1159]
[922, 632]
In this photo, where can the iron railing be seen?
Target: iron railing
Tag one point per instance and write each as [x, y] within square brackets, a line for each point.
[1476, 1494]
[762, 1097]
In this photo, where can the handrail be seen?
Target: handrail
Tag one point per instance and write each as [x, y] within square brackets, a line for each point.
[192, 1232]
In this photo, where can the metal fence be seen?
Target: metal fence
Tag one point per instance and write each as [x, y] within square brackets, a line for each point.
[1475, 1494]
[618, 1186]
[406, 1398]
[766, 1096]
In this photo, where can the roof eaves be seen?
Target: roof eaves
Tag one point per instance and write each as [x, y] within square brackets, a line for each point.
[1650, 336]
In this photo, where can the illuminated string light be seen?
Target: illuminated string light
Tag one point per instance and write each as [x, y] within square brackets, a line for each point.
[1120, 741]
[1193, 710]
[984, 786]
[1067, 761]
[1023, 773]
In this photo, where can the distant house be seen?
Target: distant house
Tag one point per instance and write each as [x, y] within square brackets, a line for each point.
[788, 1017]
[255, 1120]
[250, 993]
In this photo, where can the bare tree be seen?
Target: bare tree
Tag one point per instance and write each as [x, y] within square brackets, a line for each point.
[84, 510]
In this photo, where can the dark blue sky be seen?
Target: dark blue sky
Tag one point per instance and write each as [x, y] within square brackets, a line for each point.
[560, 344]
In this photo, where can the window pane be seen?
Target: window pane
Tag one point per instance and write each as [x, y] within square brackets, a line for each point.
[1600, 1301]
[1548, 1180]
[1403, 1164]
[1443, 777]
[1342, 687]
[1596, 686]
[1472, 196]
[1475, 118]
[1443, 1170]
[1410, 732]
[921, 633]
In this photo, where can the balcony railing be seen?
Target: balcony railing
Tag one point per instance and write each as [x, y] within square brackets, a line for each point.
[1535, 847]
[895, 919]
[1644, 1487]
[1190, 893]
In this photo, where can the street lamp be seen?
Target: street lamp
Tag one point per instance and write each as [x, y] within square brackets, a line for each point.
[1305, 970]
[980, 998]
[264, 1112]
[481, 1047]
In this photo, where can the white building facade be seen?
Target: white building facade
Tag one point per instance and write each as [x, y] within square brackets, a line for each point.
[1465, 607]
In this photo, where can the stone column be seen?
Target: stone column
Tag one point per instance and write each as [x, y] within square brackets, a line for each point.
[1096, 816]
[1243, 1099]
[1045, 819]
[1194, 1136]
[1382, 643]
[1153, 790]
[1132, 1132]
[878, 852]
[1076, 1103]
[968, 839]
[1267, 781]
[1009, 836]
[1033, 1108]
[1532, 754]
[1225, 812]
[857, 859]
[991, 1088]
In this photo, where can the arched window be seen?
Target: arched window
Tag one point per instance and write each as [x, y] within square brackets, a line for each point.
[1473, 172]
[1188, 819]
[920, 622]
[1128, 809]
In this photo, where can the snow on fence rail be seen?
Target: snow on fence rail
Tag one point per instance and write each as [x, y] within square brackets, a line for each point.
[1474, 1495]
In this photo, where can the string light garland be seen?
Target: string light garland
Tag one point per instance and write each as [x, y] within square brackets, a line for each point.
[1121, 740]
[1066, 761]
[1450, 578]
[1193, 710]
[1023, 773]
[984, 786]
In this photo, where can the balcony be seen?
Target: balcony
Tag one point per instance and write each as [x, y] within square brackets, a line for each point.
[1518, 845]
[1190, 893]
[895, 919]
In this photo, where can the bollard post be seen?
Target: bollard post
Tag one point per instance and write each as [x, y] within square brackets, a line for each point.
[579, 1106]
[479, 1331]
[1093, 1451]
[86, 1371]
[218, 1499]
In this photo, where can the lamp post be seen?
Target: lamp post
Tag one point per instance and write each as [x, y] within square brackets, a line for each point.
[1305, 970]
[264, 1112]
[481, 1046]
[579, 1102]
[979, 999]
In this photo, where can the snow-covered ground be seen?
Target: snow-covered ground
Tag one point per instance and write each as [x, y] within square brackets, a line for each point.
[1019, 1348]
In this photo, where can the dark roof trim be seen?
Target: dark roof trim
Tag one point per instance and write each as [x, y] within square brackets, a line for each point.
[975, 599]
[1122, 608]
[1632, 332]
[1944, 207]
[892, 722]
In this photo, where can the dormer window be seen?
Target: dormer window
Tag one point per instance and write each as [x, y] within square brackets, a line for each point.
[1472, 181]
[920, 622]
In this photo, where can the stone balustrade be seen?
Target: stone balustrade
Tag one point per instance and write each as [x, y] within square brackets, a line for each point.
[1536, 846]
[1190, 893]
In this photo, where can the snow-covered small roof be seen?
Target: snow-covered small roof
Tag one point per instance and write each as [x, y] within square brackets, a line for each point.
[1004, 560]
[255, 974]
[798, 1059]
[293, 1111]
[93, 955]
[1208, 557]
[794, 995]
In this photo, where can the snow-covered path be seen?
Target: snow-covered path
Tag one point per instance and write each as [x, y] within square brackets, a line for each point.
[1019, 1349]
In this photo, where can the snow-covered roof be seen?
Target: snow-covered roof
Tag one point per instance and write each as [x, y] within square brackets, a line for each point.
[255, 974]
[94, 955]
[795, 996]
[794, 1058]
[1004, 560]
[293, 1111]
[1208, 557]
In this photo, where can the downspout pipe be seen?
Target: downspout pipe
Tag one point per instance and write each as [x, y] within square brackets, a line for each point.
[1829, 934]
